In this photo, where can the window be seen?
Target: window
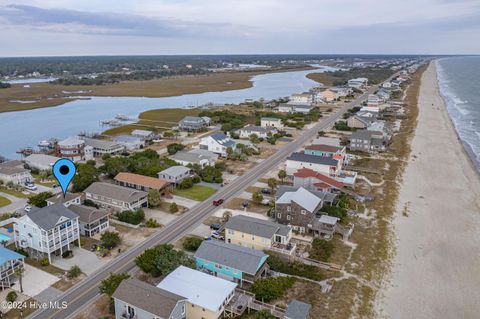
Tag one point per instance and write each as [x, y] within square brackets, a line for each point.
[279, 215]
[183, 309]
[289, 209]
[231, 232]
[289, 217]
[303, 211]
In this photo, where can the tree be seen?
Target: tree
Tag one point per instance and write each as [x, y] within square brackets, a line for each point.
[254, 138]
[162, 259]
[174, 148]
[74, 272]
[173, 208]
[192, 243]
[226, 216]
[110, 240]
[85, 176]
[39, 200]
[272, 183]
[186, 183]
[19, 273]
[131, 217]
[110, 284]
[11, 296]
[257, 197]
[282, 174]
[229, 151]
[154, 197]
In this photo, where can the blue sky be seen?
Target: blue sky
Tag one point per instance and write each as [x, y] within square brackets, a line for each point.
[93, 27]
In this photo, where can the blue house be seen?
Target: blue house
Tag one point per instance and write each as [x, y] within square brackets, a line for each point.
[10, 261]
[231, 262]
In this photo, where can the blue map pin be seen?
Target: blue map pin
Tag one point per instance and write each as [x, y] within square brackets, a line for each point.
[64, 170]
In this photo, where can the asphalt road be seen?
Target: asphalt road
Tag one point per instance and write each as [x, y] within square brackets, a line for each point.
[86, 291]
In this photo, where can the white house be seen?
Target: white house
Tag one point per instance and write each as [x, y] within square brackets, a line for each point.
[196, 156]
[325, 165]
[103, 147]
[116, 197]
[301, 98]
[143, 134]
[271, 122]
[42, 162]
[217, 143]
[67, 200]
[13, 171]
[46, 231]
[357, 83]
[260, 131]
[130, 143]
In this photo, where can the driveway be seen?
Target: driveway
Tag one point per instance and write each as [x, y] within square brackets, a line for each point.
[235, 212]
[160, 216]
[35, 281]
[86, 260]
[17, 203]
[189, 203]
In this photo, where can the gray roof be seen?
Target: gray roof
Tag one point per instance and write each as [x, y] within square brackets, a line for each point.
[154, 300]
[326, 197]
[247, 260]
[186, 157]
[365, 119]
[175, 170]
[12, 167]
[204, 153]
[101, 144]
[126, 139]
[222, 139]
[123, 194]
[87, 214]
[363, 134]
[47, 217]
[258, 129]
[297, 310]
[59, 198]
[256, 226]
[301, 157]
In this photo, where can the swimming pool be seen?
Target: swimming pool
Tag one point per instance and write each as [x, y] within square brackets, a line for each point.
[4, 237]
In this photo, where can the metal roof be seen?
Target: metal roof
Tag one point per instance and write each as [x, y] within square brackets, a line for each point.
[297, 310]
[302, 197]
[7, 255]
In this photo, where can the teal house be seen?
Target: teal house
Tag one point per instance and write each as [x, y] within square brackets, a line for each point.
[231, 262]
[324, 150]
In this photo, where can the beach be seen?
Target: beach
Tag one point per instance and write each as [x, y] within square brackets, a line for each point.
[436, 269]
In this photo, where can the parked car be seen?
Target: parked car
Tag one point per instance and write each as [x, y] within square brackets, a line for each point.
[215, 226]
[27, 208]
[218, 202]
[217, 236]
[266, 191]
[30, 186]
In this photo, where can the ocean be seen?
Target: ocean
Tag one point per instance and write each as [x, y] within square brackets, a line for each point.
[459, 83]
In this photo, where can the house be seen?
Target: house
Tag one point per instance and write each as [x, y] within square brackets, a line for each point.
[325, 196]
[325, 226]
[315, 181]
[261, 132]
[143, 134]
[92, 220]
[193, 123]
[103, 147]
[326, 165]
[195, 157]
[295, 108]
[116, 197]
[387, 85]
[47, 231]
[67, 199]
[329, 95]
[297, 208]
[232, 262]
[341, 91]
[358, 83]
[383, 94]
[367, 141]
[42, 162]
[206, 295]
[332, 141]
[217, 143]
[297, 310]
[141, 182]
[325, 150]
[271, 122]
[380, 126]
[175, 174]
[137, 299]
[10, 263]
[373, 100]
[301, 98]
[15, 172]
[361, 121]
[370, 109]
[74, 149]
[256, 233]
[130, 143]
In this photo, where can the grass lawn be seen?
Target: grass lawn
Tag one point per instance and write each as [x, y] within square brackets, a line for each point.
[12, 192]
[197, 192]
[4, 201]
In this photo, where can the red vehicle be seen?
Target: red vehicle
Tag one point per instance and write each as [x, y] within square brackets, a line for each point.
[218, 202]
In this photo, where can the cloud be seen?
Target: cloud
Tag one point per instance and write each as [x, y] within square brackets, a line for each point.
[103, 23]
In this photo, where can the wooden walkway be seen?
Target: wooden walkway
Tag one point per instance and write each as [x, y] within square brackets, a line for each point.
[245, 301]
[363, 169]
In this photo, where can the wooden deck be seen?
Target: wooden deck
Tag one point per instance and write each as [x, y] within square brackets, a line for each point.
[245, 301]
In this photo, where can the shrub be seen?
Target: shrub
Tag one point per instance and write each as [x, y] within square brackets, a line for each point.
[134, 218]
[192, 243]
[67, 254]
[89, 202]
[279, 263]
[162, 259]
[174, 148]
[74, 272]
[44, 262]
[22, 251]
[271, 288]
[186, 183]
[11, 296]
[154, 198]
[110, 284]
[39, 200]
[335, 211]
[264, 314]
[173, 208]
[110, 240]
[321, 249]
[152, 223]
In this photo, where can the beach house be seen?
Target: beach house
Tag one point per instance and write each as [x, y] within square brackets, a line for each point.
[325, 165]
[42, 162]
[193, 123]
[217, 143]
[10, 263]
[92, 220]
[271, 122]
[14, 172]
[115, 197]
[74, 149]
[259, 131]
[141, 182]
[175, 174]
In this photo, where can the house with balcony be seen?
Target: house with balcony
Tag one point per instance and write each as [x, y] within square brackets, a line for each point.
[74, 149]
[325, 150]
[15, 172]
[325, 165]
[115, 197]
[271, 122]
[232, 262]
[257, 233]
[137, 299]
[217, 143]
[42, 162]
[104, 147]
[195, 157]
[175, 174]
[315, 181]
[92, 220]
[47, 231]
[10, 263]
[144, 135]
[194, 123]
[261, 132]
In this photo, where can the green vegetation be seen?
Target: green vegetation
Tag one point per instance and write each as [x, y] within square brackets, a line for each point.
[375, 75]
[4, 85]
[279, 263]
[192, 243]
[131, 217]
[196, 192]
[282, 174]
[162, 259]
[186, 183]
[257, 197]
[270, 289]
[208, 174]
[11, 296]
[321, 249]
[110, 239]
[173, 208]
[4, 201]
[230, 120]
[174, 148]
[342, 126]
[154, 198]
[39, 200]
[85, 176]
[74, 272]
[152, 223]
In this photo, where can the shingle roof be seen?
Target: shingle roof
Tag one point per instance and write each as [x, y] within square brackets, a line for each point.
[330, 220]
[101, 144]
[187, 157]
[301, 157]
[297, 310]
[302, 197]
[256, 226]
[87, 214]
[306, 172]
[247, 260]
[152, 299]
[175, 170]
[123, 194]
[362, 134]
[323, 148]
[257, 129]
[47, 217]
[59, 198]
[146, 181]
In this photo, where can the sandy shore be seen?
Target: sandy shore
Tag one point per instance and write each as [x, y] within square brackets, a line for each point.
[436, 271]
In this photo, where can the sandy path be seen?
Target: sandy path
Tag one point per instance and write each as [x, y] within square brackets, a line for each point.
[436, 272]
